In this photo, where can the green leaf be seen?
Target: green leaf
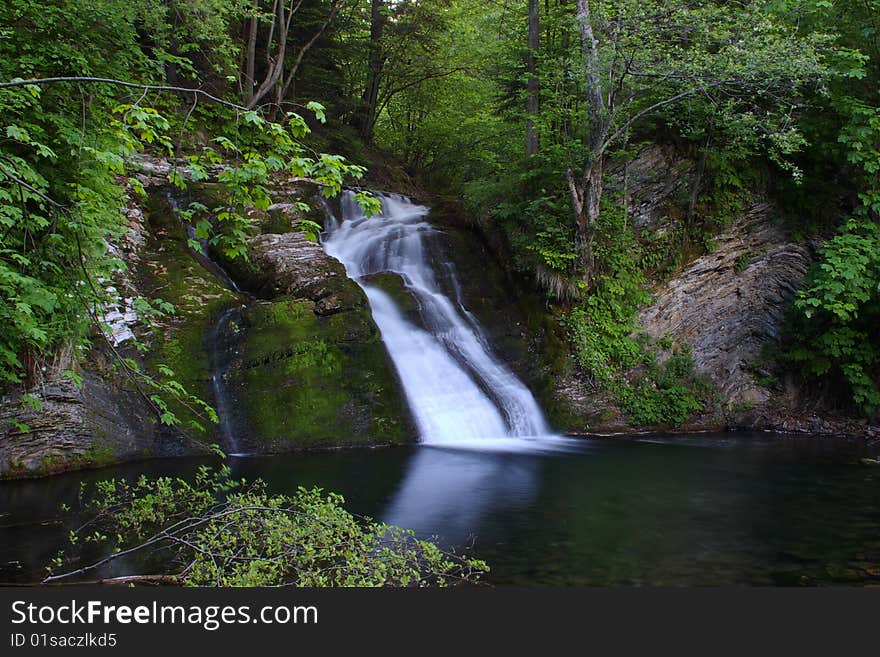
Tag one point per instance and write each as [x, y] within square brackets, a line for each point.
[318, 109]
[75, 378]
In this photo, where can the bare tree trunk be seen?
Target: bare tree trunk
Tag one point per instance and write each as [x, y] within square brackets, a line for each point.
[533, 144]
[281, 24]
[587, 192]
[586, 196]
[370, 100]
[285, 82]
[250, 62]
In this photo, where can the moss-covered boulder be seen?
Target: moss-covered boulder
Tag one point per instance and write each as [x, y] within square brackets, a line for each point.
[394, 286]
[304, 367]
[301, 379]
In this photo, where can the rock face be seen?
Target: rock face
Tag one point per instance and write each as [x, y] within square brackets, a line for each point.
[657, 183]
[290, 264]
[308, 367]
[101, 423]
[729, 304]
[304, 367]
[108, 420]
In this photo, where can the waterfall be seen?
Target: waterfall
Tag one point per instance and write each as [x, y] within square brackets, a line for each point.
[456, 387]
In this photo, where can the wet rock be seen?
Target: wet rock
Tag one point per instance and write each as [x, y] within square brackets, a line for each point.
[109, 420]
[105, 421]
[394, 286]
[300, 378]
[306, 364]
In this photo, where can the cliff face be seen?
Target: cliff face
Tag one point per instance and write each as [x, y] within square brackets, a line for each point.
[727, 306]
[295, 362]
[109, 418]
[96, 424]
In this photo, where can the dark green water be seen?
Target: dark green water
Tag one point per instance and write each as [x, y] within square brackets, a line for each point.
[731, 509]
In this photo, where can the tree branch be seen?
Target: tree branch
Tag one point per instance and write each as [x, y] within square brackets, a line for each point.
[635, 117]
[123, 83]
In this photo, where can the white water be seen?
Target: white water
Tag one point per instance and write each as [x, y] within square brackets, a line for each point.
[457, 389]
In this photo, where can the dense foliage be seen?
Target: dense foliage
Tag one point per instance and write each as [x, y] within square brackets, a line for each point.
[216, 531]
[69, 150]
[527, 111]
[783, 91]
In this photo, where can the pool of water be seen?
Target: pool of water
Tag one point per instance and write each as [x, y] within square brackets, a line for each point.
[727, 509]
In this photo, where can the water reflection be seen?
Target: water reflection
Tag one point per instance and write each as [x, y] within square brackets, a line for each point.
[448, 490]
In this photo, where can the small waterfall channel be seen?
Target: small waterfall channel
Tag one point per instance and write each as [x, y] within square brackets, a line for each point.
[221, 338]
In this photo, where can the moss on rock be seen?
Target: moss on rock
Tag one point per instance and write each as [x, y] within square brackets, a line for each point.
[304, 380]
[169, 271]
[394, 286]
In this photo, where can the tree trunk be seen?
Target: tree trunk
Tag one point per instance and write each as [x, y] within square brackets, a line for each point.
[284, 84]
[587, 192]
[587, 208]
[281, 23]
[376, 62]
[250, 63]
[532, 99]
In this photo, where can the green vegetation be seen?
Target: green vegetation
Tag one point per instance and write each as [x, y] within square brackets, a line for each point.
[525, 110]
[528, 114]
[833, 336]
[837, 318]
[216, 531]
[66, 158]
[307, 381]
[533, 122]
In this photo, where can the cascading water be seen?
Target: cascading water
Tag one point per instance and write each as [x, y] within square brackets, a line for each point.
[456, 387]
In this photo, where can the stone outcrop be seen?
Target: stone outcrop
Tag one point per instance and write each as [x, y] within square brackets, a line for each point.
[727, 305]
[306, 366]
[102, 422]
[658, 184]
[290, 264]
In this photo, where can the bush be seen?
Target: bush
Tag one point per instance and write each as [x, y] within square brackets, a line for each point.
[834, 331]
[606, 340]
[220, 532]
[667, 395]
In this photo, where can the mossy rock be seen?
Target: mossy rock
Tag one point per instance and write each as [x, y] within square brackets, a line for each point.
[393, 285]
[169, 271]
[303, 380]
